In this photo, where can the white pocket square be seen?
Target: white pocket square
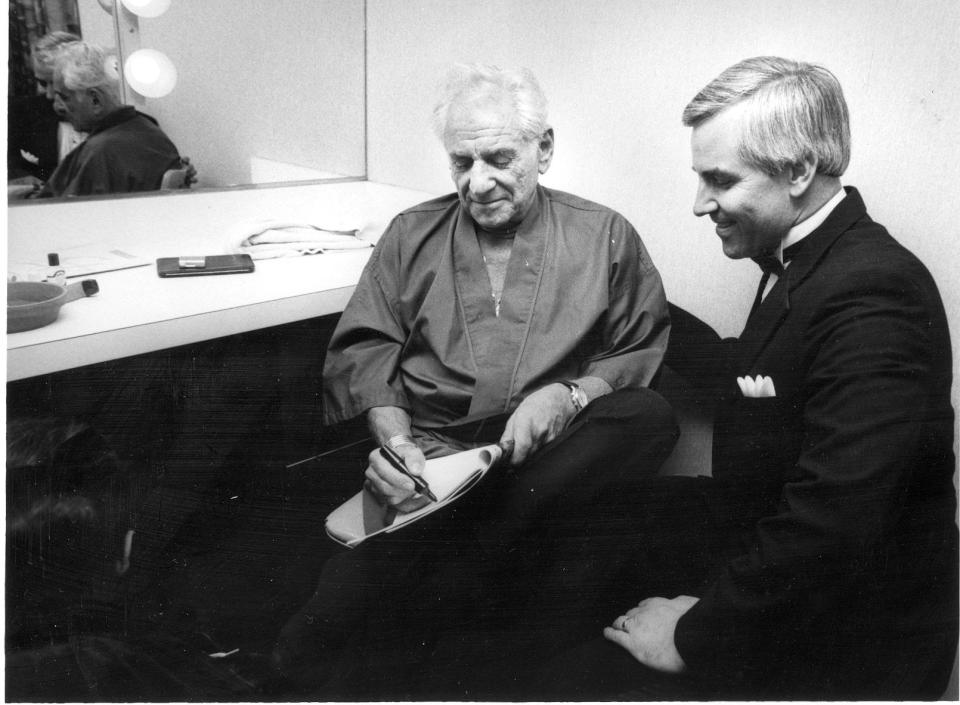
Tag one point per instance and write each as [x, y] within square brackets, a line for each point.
[759, 386]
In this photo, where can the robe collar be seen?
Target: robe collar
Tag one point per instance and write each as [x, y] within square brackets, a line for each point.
[118, 117]
[497, 344]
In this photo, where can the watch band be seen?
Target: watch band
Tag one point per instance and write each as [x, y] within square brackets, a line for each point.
[577, 395]
[401, 439]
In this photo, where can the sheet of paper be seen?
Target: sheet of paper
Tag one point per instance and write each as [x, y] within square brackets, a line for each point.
[79, 261]
[85, 260]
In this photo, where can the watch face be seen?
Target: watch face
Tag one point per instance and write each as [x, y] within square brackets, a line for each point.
[580, 396]
[577, 395]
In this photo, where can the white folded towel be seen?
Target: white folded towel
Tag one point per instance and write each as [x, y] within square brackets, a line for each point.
[265, 239]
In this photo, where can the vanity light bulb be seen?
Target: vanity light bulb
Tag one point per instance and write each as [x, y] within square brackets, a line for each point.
[144, 71]
[147, 8]
[150, 73]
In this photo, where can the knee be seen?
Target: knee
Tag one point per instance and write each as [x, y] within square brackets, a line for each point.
[637, 409]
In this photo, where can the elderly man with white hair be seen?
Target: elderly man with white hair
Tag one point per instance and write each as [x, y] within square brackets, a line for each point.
[503, 298]
[533, 309]
[126, 150]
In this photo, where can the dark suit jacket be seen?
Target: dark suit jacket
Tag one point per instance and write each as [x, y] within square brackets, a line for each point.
[32, 128]
[841, 578]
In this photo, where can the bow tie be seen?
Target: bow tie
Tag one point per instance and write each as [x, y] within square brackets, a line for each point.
[771, 265]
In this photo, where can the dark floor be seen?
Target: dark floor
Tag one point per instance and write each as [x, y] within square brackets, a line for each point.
[249, 558]
[229, 539]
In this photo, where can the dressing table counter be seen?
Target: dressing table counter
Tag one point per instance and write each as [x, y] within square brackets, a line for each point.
[138, 312]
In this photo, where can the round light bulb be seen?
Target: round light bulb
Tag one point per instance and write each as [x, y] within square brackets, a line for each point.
[147, 8]
[144, 71]
[150, 73]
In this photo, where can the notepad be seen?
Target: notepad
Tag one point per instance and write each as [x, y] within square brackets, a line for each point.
[449, 477]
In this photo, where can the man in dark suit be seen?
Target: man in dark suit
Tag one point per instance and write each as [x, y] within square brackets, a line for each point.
[820, 560]
[38, 135]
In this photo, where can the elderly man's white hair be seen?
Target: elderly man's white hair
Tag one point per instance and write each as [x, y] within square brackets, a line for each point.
[467, 80]
[84, 66]
[45, 51]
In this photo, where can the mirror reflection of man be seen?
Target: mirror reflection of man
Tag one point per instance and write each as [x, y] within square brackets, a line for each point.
[126, 150]
[38, 135]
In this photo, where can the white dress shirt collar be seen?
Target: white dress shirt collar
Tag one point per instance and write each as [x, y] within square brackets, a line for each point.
[805, 227]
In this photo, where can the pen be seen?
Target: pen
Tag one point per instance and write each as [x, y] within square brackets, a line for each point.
[397, 462]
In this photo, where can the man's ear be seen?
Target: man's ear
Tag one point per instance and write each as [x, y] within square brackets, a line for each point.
[96, 101]
[801, 175]
[545, 143]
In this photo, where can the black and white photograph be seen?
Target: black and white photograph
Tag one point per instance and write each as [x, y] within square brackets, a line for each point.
[505, 351]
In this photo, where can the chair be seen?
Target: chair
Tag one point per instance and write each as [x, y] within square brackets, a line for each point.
[181, 178]
[693, 346]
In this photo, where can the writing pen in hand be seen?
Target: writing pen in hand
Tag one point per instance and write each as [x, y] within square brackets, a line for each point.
[397, 462]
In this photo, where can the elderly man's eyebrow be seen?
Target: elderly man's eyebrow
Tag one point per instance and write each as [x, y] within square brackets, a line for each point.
[504, 153]
[716, 174]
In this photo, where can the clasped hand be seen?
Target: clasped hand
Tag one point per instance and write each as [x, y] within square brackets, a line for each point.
[538, 420]
[23, 187]
[646, 631]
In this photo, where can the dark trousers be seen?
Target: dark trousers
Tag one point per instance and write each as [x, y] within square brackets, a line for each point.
[664, 537]
[657, 536]
[380, 611]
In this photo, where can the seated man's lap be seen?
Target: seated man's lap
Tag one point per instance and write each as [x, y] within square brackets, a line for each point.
[621, 437]
[475, 563]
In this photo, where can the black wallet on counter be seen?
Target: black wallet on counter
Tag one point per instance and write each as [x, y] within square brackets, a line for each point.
[196, 266]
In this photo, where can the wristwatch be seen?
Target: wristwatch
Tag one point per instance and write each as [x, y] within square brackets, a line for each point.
[577, 395]
[401, 439]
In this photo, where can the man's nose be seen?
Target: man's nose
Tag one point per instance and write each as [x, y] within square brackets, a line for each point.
[704, 202]
[481, 180]
[48, 89]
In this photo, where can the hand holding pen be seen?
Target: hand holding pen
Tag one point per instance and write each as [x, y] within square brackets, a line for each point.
[391, 486]
[398, 463]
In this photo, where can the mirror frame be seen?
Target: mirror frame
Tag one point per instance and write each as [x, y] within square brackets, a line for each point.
[126, 30]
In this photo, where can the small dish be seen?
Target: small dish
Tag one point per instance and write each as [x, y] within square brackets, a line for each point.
[36, 304]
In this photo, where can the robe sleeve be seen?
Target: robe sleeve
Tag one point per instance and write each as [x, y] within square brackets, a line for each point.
[361, 369]
[637, 324]
[94, 177]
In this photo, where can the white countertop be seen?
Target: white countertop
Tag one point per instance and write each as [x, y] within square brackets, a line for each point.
[136, 311]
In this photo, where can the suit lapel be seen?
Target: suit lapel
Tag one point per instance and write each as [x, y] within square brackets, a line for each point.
[775, 308]
[763, 324]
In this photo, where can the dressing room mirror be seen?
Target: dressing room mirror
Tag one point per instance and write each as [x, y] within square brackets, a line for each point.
[267, 91]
